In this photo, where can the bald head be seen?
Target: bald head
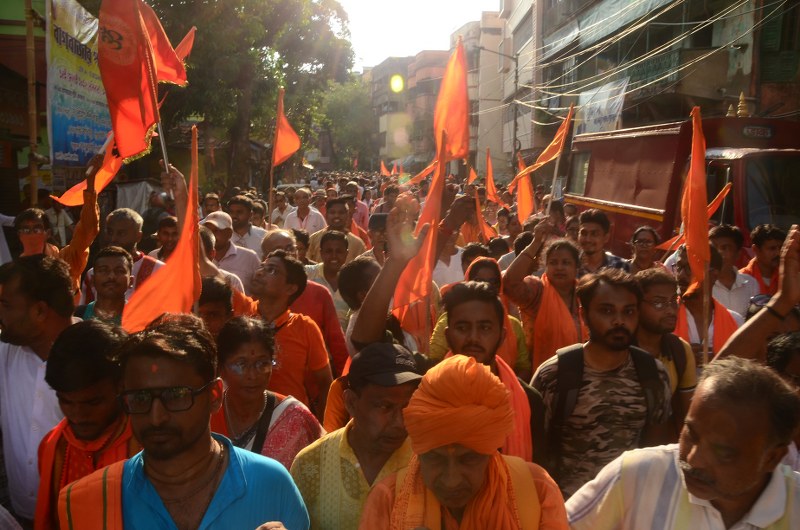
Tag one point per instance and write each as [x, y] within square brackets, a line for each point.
[279, 240]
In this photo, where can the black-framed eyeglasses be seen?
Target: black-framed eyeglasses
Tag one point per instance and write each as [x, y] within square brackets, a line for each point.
[660, 304]
[174, 399]
[262, 367]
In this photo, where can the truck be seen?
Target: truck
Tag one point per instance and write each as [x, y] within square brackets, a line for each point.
[636, 175]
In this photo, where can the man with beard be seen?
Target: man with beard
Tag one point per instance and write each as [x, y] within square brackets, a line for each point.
[603, 397]
[167, 236]
[336, 473]
[185, 477]
[36, 305]
[724, 474]
[658, 314]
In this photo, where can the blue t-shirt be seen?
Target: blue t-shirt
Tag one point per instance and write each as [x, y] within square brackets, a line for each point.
[254, 489]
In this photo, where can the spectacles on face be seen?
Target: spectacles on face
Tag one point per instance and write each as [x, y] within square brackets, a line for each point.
[644, 243]
[659, 304]
[262, 367]
[35, 230]
[174, 399]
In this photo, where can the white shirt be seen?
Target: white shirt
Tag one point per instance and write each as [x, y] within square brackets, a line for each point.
[446, 274]
[694, 334]
[28, 410]
[506, 260]
[279, 217]
[737, 298]
[251, 239]
[59, 222]
[240, 261]
[88, 281]
[314, 222]
[645, 489]
[233, 280]
[5, 254]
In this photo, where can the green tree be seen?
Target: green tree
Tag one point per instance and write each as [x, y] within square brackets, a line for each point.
[348, 116]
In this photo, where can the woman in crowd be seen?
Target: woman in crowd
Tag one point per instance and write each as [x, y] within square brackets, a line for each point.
[251, 416]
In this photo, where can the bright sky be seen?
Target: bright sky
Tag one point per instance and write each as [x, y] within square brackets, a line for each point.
[397, 28]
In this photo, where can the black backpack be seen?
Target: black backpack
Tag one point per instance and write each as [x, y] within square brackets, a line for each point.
[568, 386]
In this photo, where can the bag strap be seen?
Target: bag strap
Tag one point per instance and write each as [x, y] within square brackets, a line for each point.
[568, 386]
[263, 423]
[649, 380]
[671, 345]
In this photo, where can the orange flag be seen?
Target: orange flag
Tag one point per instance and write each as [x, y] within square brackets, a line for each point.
[486, 231]
[713, 206]
[452, 107]
[422, 175]
[384, 170]
[694, 211]
[520, 162]
[472, 176]
[111, 164]
[170, 288]
[412, 293]
[552, 151]
[169, 67]
[183, 49]
[526, 202]
[491, 189]
[394, 168]
[286, 140]
[128, 71]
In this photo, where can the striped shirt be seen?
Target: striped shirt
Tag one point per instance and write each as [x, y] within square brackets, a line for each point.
[644, 489]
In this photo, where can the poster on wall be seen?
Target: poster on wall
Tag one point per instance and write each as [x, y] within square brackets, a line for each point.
[77, 111]
[600, 109]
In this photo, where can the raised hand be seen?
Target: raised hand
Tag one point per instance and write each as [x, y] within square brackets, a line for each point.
[402, 244]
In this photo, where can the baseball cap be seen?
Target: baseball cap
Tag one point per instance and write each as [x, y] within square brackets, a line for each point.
[384, 364]
[219, 219]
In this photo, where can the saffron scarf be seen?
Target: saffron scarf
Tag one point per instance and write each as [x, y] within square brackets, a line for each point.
[519, 442]
[754, 270]
[554, 326]
[724, 325]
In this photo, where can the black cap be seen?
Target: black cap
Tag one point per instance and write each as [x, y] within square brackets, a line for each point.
[384, 364]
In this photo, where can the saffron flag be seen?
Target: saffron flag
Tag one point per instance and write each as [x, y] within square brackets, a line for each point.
[486, 232]
[384, 170]
[355, 163]
[694, 211]
[422, 175]
[411, 295]
[452, 108]
[286, 140]
[552, 151]
[128, 71]
[472, 176]
[526, 202]
[394, 168]
[713, 206]
[520, 162]
[184, 48]
[169, 67]
[111, 165]
[491, 189]
[171, 289]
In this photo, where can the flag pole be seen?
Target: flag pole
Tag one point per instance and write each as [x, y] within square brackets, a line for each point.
[706, 313]
[552, 185]
[164, 156]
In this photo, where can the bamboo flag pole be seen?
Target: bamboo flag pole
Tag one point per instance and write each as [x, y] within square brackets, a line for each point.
[706, 314]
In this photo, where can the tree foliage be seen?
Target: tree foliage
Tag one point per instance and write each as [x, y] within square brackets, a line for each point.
[348, 116]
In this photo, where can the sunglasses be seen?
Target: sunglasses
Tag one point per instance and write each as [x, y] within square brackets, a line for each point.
[174, 399]
[261, 367]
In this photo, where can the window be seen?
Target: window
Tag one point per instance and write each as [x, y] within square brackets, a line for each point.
[718, 174]
[579, 173]
[523, 32]
[772, 191]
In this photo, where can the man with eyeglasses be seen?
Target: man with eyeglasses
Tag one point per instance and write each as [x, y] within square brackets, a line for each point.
[658, 315]
[185, 477]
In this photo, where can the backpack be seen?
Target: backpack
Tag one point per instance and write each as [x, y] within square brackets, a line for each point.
[568, 387]
[672, 348]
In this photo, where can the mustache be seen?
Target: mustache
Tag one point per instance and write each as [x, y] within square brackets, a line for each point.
[619, 329]
[159, 430]
[694, 474]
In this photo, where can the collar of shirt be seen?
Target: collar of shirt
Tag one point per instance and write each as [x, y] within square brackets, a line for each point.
[230, 252]
[768, 508]
[402, 455]
[281, 320]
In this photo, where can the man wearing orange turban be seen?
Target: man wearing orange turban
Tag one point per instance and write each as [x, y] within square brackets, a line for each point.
[457, 479]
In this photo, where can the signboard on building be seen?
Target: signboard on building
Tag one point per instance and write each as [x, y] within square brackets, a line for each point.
[77, 111]
[600, 109]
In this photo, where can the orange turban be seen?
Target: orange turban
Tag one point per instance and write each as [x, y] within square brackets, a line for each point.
[461, 402]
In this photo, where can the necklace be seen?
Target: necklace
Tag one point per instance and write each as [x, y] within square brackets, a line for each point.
[212, 481]
[241, 438]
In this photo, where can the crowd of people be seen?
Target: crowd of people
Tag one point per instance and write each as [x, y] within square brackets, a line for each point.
[553, 384]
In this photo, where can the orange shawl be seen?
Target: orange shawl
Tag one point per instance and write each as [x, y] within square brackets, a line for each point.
[754, 270]
[494, 506]
[519, 442]
[554, 326]
[724, 325]
[54, 460]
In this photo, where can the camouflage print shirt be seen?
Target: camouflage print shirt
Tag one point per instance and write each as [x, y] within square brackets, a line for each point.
[608, 418]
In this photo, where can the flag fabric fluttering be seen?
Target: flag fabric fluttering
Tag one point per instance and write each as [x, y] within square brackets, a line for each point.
[713, 206]
[452, 107]
[526, 201]
[184, 47]
[169, 66]
[286, 140]
[552, 151]
[394, 168]
[486, 232]
[472, 176]
[384, 170]
[520, 162]
[422, 175]
[109, 168]
[491, 189]
[171, 289]
[694, 210]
